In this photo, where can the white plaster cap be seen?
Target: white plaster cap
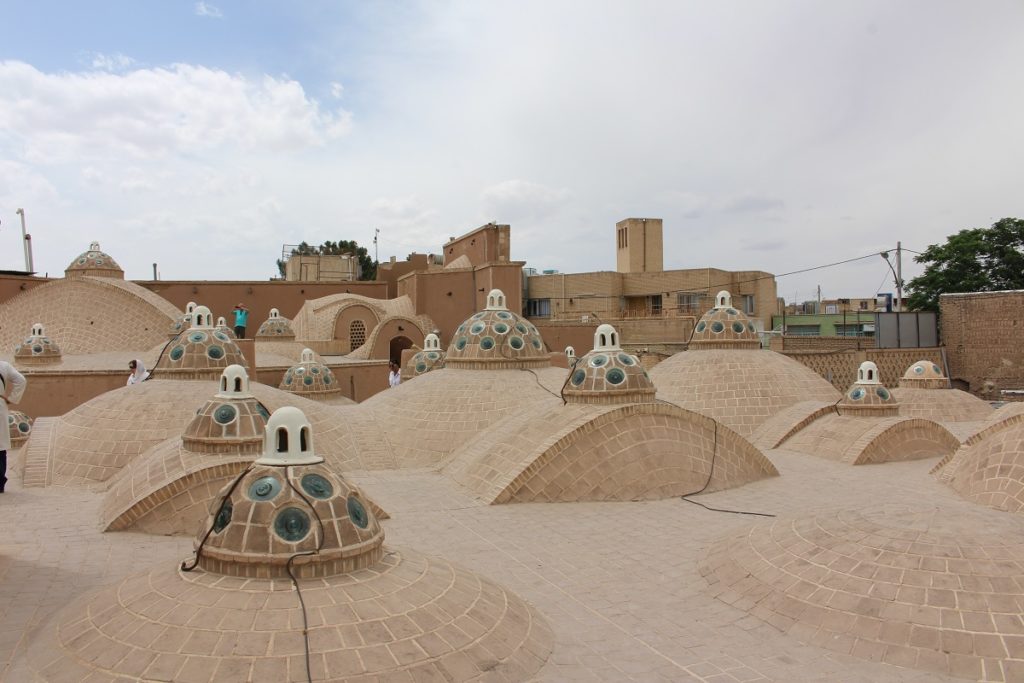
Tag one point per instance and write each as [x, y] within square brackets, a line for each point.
[234, 383]
[431, 342]
[288, 439]
[496, 301]
[221, 322]
[307, 356]
[190, 306]
[201, 317]
[606, 338]
[37, 330]
[723, 299]
[274, 313]
[570, 352]
[867, 373]
[94, 246]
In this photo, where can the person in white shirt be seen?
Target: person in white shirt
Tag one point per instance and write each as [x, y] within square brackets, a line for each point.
[12, 386]
[138, 372]
[395, 374]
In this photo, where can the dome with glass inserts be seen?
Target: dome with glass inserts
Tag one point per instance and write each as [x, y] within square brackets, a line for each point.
[724, 327]
[496, 338]
[95, 263]
[607, 374]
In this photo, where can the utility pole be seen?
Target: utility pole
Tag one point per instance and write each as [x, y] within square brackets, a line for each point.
[817, 308]
[376, 257]
[899, 273]
[27, 240]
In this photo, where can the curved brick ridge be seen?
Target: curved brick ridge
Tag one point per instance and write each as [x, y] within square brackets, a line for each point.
[89, 315]
[740, 388]
[788, 422]
[865, 440]
[101, 436]
[942, 405]
[991, 471]
[409, 615]
[583, 452]
[913, 588]
[1002, 418]
[168, 490]
[422, 423]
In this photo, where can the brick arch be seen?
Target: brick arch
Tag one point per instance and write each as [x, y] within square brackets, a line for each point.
[346, 316]
[625, 452]
[390, 328]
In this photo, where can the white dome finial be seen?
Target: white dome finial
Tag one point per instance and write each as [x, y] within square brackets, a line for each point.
[723, 299]
[496, 301]
[37, 330]
[606, 338]
[94, 246]
[234, 383]
[274, 313]
[288, 439]
[307, 356]
[867, 373]
[190, 306]
[431, 342]
[201, 317]
[570, 352]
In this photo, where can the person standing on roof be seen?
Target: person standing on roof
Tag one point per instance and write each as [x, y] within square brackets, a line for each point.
[241, 318]
[12, 386]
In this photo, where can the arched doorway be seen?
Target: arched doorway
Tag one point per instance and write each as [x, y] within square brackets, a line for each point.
[397, 345]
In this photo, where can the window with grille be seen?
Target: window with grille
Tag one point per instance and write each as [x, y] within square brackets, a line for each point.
[356, 335]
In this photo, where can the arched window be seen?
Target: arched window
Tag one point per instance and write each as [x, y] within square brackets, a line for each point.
[356, 335]
[282, 440]
[238, 385]
[304, 439]
[224, 384]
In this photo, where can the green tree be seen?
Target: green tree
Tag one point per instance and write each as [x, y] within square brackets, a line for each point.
[973, 260]
[367, 267]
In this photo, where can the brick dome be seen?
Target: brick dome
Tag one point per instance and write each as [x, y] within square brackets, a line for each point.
[310, 377]
[432, 357]
[201, 352]
[94, 262]
[275, 327]
[497, 338]
[924, 374]
[232, 421]
[867, 396]
[37, 349]
[607, 374]
[19, 426]
[724, 327]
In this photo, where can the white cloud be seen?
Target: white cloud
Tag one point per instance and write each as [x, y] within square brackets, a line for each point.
[337, 90]
[148, 113]
[205, 9]
[517, 199]
[114, 62]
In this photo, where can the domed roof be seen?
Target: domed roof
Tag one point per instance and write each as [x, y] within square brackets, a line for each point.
[222, 326]
[882, 579]
[201, 352]
[924, 374]
[232, 421]
[19, 426]
[288, 502]
[867, 396]
[276, 327]
[310, 378]
[183, 321]
[724, 327]
[991, 471]
[94, 262]
[289, 516]
[497, 338]
[742, 388]
[607, 374]
[37, 348]
[430, 358]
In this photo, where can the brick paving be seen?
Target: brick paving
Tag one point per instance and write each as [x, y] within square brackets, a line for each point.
[619, 583]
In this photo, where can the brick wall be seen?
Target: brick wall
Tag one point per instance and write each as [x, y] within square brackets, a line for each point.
[983, 334]
[840, 366]
[799, 343]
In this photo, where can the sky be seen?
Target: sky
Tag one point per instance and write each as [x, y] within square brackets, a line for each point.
[776, 135]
